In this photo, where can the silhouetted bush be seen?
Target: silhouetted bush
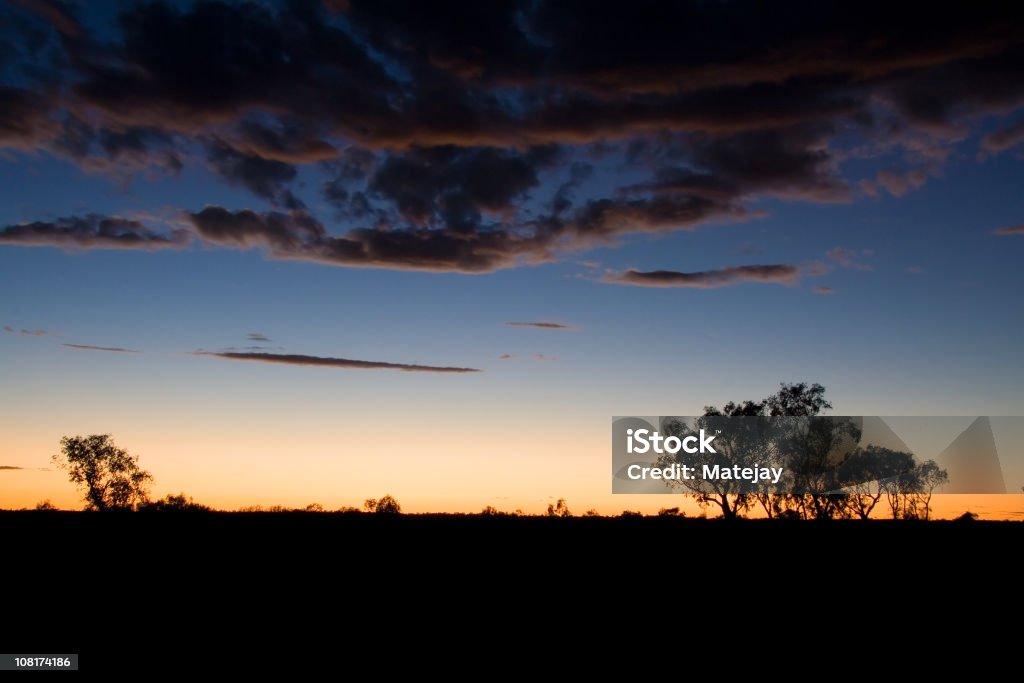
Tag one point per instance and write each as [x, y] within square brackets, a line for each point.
[173, 503]
[558, 509]
[385, 506]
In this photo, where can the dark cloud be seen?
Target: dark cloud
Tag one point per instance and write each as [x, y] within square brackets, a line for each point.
[543, 325]
[344, 363]
[602, 220]
[89, 347]
[779, 274]
[206, 64]
[293, 141]
[282, 233]
[93, 232]
[257, 336]
[460, 136]
[296, 235]
[24, 123]
[452, 187]
[10, 467]
[265, 178]
[25, 333]
[791, 163]
[1010, 230]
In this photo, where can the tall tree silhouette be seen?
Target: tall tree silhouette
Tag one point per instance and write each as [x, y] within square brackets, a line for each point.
[109, 477]
[744, 442]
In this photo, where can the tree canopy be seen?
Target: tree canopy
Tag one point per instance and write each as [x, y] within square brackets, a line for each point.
[109, 477]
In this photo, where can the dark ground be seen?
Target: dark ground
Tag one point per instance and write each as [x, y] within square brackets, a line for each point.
[166, 583]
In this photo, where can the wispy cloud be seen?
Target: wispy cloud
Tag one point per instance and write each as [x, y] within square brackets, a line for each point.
[257, 336]
[25, 333]
[10, 467]
[1004, 138]
[322, 361]
[821, 289]
[847, 258]
[1010, 230]
[708, 279]
[542, 325]
[90, 347]
[532, 356]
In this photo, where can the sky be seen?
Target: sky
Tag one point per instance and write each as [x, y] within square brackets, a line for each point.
[319, 252]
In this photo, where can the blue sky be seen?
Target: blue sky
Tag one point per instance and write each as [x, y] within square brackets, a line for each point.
[819, 221]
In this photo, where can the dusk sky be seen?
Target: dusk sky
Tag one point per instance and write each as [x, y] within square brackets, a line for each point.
[309, 251]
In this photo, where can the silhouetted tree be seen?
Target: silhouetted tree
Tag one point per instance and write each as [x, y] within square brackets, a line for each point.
[910, 494]
[558, 509]
[385, 506]
[592, 512]
[813, 449]
[314, 507]
[668, 512]
[797, 400]
[110, 478]
[736, 444]
[745, 443]
[865, 473]
[45, 506]
[490, 511]
[929, 476]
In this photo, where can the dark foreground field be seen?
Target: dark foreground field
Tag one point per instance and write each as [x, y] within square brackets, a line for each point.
[110, 582]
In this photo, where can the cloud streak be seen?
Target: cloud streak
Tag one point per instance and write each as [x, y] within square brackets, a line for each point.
[542, 325]
[328, 362]
[1010, 230]
[90, 347]
[10, 467]
[709, 279]
[26, 333]
[533, 356]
